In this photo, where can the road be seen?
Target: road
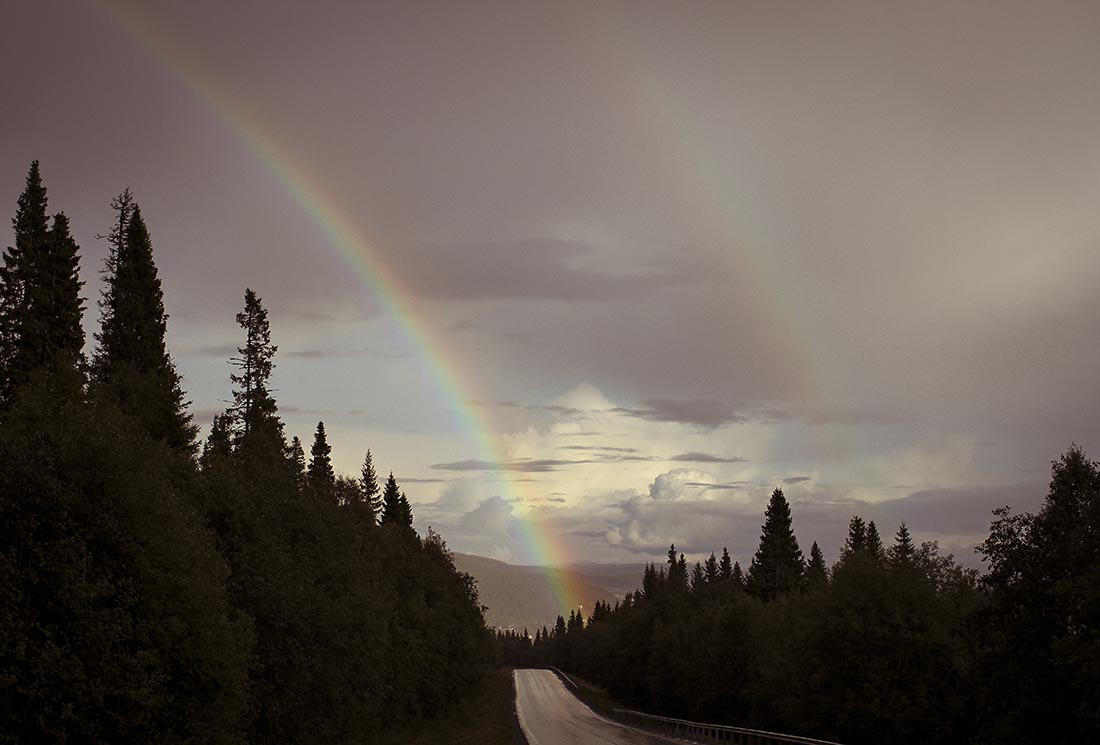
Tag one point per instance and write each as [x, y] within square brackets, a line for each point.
[551, 715]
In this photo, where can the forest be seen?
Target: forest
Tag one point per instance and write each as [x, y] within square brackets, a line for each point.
[158, 589]
[893, 643]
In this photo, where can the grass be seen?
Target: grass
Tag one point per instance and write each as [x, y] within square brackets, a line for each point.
[484, 717]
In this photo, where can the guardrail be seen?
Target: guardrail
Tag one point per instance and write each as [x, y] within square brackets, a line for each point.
[709, 732]
[565, 679]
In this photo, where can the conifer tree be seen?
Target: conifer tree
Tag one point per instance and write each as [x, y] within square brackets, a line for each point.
[777, 566]
[298, 464]
[725, 567]
[649, 580]
[874, 544]
[856, 542]
[258, 427]
[395, 507]
[817, 576]
[219, 443]
[406, 514]
[320, 476]
[712, 569]
[31, 234]
[40, 304]
[677, 570]
[902, 555]
[698, 579]
[738, 578]
[368, 481]
[132, 363]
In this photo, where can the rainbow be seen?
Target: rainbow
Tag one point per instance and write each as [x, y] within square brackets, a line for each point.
[324, 208]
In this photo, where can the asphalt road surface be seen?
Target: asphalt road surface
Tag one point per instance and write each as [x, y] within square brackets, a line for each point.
[551, 715]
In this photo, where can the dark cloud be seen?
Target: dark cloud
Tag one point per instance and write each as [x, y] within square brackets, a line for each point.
[697, 457]
[539, 268]
[533, 465]
[797, 479]
[323, 354]
[549, 408]
[699, 412]
[598, 448]
[957, 518]
[708, 486]
[521, 466]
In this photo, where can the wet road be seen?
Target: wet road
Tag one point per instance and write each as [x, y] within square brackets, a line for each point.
[551, 715]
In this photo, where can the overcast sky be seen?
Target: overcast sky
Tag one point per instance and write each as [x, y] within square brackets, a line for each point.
[683, 252]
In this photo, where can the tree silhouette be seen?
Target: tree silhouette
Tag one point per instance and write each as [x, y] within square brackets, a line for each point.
[777, 566]
[132, 363]
[368, 481]
[320, 476]
[817, 576]
[40, 304]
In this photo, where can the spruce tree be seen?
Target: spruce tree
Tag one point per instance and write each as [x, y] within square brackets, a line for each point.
[738, 578]
[649, 581]
[817, 576]
[725, 567]
[698, 578]
[259, 431]
[219, 443]
[406, 514]
[320, 476]
[856, 542]
[132, 363]
[17, 274]
[298, 464]
[392, 511]
[902, 555]
[60, 297]
[712, 573]
[40, 304]
[874, 544]
[777, 566]
[368, 481]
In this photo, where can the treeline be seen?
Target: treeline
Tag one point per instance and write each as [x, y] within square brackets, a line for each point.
[892, 644]
[150, 592]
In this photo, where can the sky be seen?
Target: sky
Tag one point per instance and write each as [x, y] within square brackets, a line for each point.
[616, 270]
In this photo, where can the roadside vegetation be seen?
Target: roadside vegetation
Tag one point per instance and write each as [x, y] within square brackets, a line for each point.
[153, 589]
[891, 644]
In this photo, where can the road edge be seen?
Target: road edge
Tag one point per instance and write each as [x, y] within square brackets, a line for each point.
[520, 736]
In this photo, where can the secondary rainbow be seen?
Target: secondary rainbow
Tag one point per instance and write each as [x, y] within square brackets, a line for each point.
[324, 208]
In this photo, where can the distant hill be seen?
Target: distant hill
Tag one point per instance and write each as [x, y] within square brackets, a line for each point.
[522, 596]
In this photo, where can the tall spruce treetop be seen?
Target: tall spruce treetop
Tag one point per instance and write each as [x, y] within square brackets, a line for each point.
[320, 476]
[219, 443]
[725, 566]
[254, 409]
[40, 304]
[31, 232]
[856, 542]
[711, 567]
[777, 566]
[298, 464]
[817, 575]
[738, 579]
[132, 362]
[874, 544]
[368, 480]
[395, 507]
[902, 555]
